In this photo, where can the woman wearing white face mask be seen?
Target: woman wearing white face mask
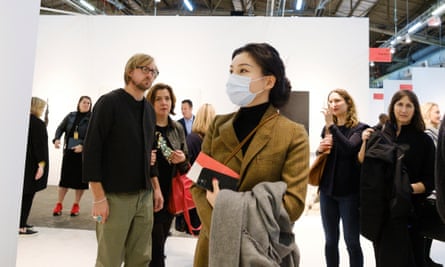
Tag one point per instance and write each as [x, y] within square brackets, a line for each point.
[276, 152]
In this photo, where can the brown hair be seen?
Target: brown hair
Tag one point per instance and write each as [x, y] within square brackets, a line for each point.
[151, 95]
[82, 98]
[351, 112]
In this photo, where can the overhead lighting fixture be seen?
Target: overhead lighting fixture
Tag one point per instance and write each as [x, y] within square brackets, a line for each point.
[392, 50]
[408, 39]
[299, 4]
[434, 21]
[157, 1]
[188, 5]
[371, 64]
[87, 5]
[438, 11]
[415, 27]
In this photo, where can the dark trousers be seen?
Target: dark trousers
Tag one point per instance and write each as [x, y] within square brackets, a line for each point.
[27, 199]
[346, 208]
[161, 230]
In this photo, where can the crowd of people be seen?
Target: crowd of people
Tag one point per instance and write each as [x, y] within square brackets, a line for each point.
[127, 149]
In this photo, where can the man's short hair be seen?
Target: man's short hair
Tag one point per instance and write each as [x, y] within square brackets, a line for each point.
[188, 101]
[135, 61]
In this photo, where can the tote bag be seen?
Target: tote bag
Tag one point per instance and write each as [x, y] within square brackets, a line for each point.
[317, 168]
[181, 200]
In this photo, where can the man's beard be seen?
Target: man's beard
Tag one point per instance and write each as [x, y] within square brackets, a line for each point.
[142, 85]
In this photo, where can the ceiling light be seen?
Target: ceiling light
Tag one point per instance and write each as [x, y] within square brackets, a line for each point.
[438, 11]
[87, 5]
[434, 21]
[299, 4]
[188, 5]
[371, 64]
[415, 27]
[408, 39]
[392, 50]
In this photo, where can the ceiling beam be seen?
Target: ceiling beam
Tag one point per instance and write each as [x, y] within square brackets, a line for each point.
[416, 38]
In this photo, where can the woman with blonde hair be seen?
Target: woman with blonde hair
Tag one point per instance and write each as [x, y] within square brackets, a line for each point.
[431, 117]
[203, 119]
[36, 164]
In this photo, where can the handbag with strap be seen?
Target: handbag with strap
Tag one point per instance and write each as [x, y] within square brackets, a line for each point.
[181, 200]
[317, 167]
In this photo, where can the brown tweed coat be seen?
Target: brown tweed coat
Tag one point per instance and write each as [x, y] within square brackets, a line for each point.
[279, 151]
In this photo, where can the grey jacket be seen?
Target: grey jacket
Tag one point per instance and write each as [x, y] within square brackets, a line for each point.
[253, 228]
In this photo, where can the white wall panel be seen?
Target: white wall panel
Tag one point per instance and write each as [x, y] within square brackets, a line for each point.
[79, 55]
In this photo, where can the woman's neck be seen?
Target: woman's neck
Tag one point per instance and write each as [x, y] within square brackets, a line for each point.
[341, 120]
[161, 121]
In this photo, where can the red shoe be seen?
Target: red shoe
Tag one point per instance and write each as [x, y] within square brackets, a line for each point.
[57, 211]
[75, 209]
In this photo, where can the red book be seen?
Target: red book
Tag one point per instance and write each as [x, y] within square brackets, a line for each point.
[206, 168]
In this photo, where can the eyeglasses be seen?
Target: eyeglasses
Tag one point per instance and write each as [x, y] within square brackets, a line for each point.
[147, 70]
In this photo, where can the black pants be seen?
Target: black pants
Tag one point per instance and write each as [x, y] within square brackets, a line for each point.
[27, 199]
[161, 230]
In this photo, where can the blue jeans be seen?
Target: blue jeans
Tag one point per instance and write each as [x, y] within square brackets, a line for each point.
[332, 210]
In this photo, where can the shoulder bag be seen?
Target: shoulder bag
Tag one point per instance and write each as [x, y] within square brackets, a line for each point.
[317, 167]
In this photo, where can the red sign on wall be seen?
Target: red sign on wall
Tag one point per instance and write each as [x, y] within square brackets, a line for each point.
[377, 96]
[406, 87]
[380, 54]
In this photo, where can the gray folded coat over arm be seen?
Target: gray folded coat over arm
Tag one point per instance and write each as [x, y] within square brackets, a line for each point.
[252, 229]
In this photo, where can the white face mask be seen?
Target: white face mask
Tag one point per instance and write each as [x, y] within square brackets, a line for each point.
[238, 89]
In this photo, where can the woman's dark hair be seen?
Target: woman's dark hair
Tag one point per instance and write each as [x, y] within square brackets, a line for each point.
[270, 62]
[82, 98]
[417, 120]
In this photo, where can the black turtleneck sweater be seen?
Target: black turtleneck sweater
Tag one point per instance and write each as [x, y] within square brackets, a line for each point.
[246, 120]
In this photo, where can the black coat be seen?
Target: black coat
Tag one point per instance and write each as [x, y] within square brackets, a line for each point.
[440, 172]
[36, 151]
[378, 175]
[67, 124]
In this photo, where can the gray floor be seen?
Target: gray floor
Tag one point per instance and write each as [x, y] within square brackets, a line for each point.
[66, 241]
[43, 205]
